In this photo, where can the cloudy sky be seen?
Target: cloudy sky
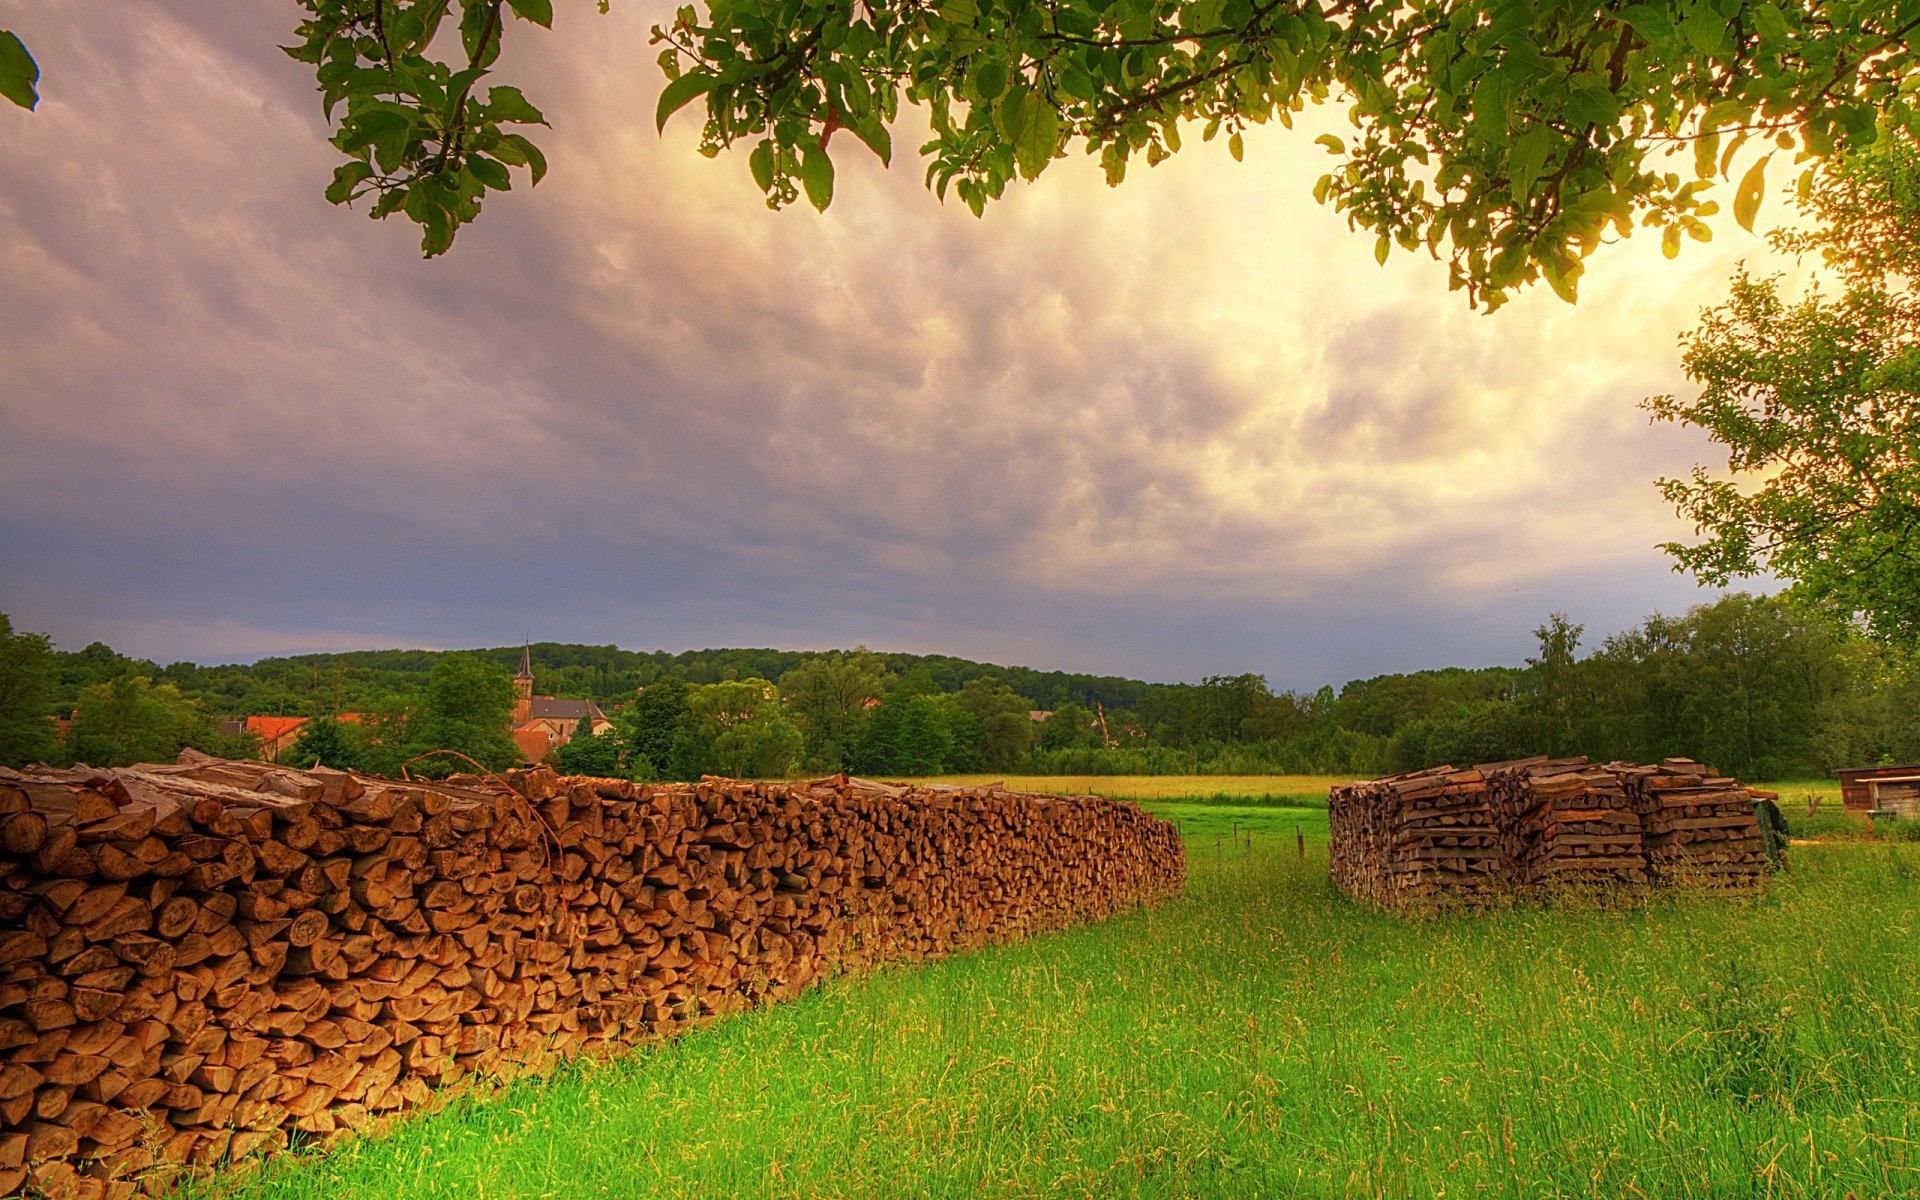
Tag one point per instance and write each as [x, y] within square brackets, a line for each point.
[1183, 427]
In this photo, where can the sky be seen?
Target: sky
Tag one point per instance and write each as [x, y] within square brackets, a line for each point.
[1179, 428]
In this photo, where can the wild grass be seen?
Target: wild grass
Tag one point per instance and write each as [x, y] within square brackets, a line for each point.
[1143, 787]
[1261, 1037]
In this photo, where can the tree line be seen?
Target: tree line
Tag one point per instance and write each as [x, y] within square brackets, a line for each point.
[1763, 686]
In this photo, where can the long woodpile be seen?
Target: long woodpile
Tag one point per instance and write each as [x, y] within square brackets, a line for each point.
[198, 960]
[1450, 836]
[1700, 828]
[1416, 839]
[1567, 822]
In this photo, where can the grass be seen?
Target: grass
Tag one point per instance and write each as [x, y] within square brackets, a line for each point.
[1260, 1037]
[1150, 787]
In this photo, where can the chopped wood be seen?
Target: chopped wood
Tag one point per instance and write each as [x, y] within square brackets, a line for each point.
[200, 959]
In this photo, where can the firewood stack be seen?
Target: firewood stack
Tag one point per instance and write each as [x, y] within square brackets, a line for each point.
[1700, 829]
[1416, 840]
[198, 960]
[1447, 836]
[1567, 822]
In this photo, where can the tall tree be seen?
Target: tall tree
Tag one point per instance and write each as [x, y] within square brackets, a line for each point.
[468, 704]
[323, 742]
[1006, 729]
[828, 697]
[650, 723]
[1559, 650]
[736, 728]
[588, 753]
[1817, 403]
[134, 719]
[29, 681]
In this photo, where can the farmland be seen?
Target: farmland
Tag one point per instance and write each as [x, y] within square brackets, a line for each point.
[1260, 1037]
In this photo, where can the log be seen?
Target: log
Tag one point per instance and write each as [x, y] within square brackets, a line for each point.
[207, 957]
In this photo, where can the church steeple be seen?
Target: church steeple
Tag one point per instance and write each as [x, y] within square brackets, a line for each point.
[523, 686]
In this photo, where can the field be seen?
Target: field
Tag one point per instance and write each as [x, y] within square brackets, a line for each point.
[1160, 787]
[1260, 1037]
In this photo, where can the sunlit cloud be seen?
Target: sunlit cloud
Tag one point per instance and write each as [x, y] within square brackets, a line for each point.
[1182, 426]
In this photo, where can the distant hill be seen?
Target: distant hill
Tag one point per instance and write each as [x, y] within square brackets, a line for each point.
[357, 679]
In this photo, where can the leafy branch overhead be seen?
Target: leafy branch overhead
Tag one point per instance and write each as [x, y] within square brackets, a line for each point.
[418, 133]
[1511, 137]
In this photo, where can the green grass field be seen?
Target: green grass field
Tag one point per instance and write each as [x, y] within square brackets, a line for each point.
[1260, 1037]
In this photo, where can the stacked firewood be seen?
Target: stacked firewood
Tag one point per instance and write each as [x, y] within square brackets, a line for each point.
[199, 960]
[1414, 840]
[1700, 828]
[1448, 836]
[1567, 822]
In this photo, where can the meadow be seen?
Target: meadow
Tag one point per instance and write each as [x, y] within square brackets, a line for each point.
[1261, 1037]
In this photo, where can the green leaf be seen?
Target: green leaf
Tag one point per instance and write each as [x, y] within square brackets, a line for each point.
[18, 72]
[1382, 248]
[1038, 138]
[1528, 159]
[1746, 200]
[989, 80]
[536, 161]
[875, 135]
[540, 12]
[1670, 241]
[678, 93]
[760, 162]
[490, 173]
[507, 104]
[1332, 142]
[1236, 147]
[347, 177]
[816, 175]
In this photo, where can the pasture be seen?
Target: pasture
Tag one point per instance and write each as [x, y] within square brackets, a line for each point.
[1261, 1037]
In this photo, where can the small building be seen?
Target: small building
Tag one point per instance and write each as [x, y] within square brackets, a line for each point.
[1895, 789]
[275, 733]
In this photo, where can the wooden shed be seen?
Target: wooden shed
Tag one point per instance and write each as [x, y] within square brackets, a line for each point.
[1894, 789]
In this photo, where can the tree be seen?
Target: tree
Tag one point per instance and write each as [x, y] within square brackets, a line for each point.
[909, 736]
[588, 753]
[1071, 727]
[1559, 647]
[650, 724]
[1817, 402]
[322, 743]
[29, 680]
[468, 705]
[827, 695]
[1512, 133]
[1006, 730]
[736, 728]
[133, 719]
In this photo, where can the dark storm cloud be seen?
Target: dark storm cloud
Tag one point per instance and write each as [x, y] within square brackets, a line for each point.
[1182, 427]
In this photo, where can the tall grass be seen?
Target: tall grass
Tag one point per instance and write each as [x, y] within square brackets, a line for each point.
[1260, 1037]
[1143, 787]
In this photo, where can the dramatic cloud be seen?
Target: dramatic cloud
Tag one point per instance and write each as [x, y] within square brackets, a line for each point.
[1181, 427]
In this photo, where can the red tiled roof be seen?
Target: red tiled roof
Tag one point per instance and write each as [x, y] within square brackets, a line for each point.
[535, 744]
[272, 728]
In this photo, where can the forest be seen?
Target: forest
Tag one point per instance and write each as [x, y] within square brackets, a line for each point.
[1757, 685]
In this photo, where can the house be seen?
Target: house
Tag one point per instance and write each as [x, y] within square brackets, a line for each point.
[275, 733]
[542, 724]
[1883, 789]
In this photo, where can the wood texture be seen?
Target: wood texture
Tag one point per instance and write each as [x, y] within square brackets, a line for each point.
[1449, 836]
[198, 960]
